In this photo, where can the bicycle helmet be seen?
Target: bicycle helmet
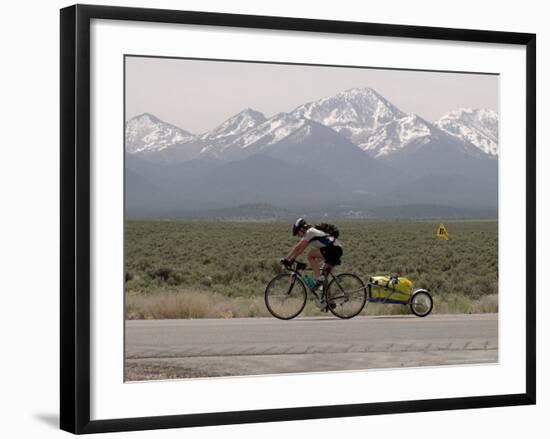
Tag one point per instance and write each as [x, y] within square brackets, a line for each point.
[298, 225]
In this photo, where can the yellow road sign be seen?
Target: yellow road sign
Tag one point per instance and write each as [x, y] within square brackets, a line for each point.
[442, 232]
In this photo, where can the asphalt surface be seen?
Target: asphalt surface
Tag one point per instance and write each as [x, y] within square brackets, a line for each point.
[160, 349]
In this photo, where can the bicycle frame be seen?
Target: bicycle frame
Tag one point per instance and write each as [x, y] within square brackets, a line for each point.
[329, 277]
[296, 273]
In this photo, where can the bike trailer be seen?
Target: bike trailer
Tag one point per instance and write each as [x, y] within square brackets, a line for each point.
[391, 287]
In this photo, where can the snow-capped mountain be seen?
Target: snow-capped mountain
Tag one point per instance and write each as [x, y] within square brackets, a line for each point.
[352, 148]
[300, 141]
[216, 141]
[373, 123]
[257, 137]
[150, 137]
[356, 113]
[361, 115]
[146, 133]
[476, 126]
[236, 125]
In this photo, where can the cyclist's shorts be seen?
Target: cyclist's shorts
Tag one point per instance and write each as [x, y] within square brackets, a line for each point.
[332, 254]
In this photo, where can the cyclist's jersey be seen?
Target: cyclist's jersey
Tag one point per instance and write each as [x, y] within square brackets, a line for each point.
[319, 239]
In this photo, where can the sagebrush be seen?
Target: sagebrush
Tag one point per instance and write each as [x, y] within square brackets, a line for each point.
[227, 262]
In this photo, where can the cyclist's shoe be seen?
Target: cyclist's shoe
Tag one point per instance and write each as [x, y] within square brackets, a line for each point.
[326, 306]
[321, 304]
[318, 286]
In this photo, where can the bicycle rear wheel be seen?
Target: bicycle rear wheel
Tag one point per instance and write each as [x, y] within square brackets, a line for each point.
[346, 295]
[285, 296]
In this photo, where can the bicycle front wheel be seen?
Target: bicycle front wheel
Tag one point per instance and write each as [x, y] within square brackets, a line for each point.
[346, 295]
[285, 296]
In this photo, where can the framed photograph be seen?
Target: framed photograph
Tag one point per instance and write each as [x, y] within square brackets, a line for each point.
[274, 218]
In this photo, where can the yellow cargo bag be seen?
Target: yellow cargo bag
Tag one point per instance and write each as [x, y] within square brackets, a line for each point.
[398, 289]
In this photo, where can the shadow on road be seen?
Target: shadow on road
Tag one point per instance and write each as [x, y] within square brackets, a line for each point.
[317, 319]
[394, 317]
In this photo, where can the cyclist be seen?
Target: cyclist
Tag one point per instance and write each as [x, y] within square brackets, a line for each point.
[324, 248]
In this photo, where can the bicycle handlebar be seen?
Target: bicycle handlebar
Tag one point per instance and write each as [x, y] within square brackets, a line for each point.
[294, 265]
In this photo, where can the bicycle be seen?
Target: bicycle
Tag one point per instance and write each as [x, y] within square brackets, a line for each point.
[344, 295]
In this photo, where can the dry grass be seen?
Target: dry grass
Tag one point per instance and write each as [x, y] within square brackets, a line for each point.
[204, 304]
[192, 305]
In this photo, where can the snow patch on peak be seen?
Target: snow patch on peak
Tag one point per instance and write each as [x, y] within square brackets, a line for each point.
[147, 133]
[301, 131]
[412, 127]
[235, 125]
[358, 106]
[476, 126]
[367, 93]
[398, 134]
[273, 130]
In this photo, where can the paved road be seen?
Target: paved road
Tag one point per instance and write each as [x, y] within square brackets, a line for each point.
[157, 349]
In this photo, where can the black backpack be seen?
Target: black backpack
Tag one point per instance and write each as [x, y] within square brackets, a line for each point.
[329, 229]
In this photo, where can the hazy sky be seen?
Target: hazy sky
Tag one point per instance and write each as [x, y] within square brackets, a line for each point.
[198, 95]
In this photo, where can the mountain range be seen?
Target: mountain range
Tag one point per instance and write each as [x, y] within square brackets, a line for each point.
[354, 149]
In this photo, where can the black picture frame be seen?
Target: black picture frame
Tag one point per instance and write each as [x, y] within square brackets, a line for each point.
[75, 217]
